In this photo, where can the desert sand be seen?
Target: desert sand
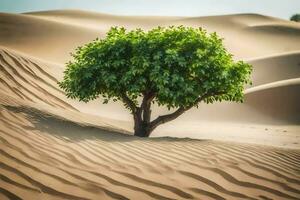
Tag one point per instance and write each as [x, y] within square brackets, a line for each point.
[56, 148]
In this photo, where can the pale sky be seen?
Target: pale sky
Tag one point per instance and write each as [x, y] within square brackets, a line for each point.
[276, 8]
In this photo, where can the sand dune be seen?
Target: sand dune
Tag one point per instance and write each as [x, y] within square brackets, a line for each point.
[52, 147]
[48, 158]
[283, 66]
[27, 80]
[284, 96]
[99, 20]
[34, 82]
[247, 35]
[52, 41]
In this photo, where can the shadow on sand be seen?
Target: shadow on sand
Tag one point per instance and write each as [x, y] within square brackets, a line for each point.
[72, 131]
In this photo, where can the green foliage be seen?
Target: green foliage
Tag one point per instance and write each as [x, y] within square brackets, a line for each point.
[177, 64]
[296, 18]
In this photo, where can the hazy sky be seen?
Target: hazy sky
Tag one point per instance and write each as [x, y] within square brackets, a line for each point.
[277, 8]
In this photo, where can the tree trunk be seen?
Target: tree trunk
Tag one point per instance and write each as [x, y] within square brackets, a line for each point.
[141, 129]
[142, 117]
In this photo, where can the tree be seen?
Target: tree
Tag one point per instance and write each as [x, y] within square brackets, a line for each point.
[176, 67]
[296, 18]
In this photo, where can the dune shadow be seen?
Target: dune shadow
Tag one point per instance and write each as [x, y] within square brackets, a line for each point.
[66, 129]
[277, 29]
[71, 131]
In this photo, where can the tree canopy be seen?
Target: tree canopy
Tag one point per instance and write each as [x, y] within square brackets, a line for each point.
[176, 67]
[296, 18]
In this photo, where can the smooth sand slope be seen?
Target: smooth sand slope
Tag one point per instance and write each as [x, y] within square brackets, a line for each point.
[41, 34]
[56, 148]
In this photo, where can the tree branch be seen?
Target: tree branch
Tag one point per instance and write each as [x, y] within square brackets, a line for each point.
[166, 118]
[129, 102]
[169, 117]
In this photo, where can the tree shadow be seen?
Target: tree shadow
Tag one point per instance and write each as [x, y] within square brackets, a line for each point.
[71, 131]
[63, 128]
